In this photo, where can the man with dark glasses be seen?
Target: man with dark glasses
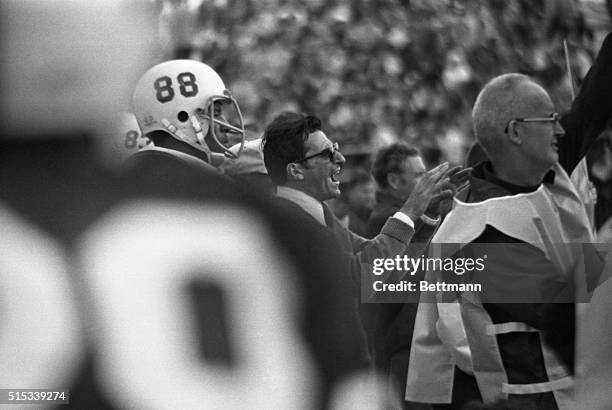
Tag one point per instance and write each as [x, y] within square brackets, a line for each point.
[305, 166]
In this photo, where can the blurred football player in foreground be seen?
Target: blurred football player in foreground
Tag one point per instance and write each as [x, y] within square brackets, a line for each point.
[141, 292]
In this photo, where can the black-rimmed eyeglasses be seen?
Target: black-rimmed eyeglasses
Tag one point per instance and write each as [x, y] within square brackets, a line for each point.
[553, 119]
[329, 152]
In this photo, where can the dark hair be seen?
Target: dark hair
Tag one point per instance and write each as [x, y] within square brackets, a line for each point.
[391, 159]
[283, 142]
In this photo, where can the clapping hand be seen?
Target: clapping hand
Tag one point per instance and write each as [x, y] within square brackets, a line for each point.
[432, 184]
[455, 180]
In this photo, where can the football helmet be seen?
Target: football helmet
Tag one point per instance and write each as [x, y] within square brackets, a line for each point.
[127, 139]
[188, 100]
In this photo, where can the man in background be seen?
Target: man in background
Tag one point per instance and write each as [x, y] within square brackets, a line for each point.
[356, 202]
[522, 197]
[397, 169]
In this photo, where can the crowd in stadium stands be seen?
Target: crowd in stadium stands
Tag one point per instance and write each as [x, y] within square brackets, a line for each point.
[378, 71]
[382, 68]
[231, 256]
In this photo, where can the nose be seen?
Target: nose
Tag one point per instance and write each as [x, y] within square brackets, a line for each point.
[339, 158]
[559, 131]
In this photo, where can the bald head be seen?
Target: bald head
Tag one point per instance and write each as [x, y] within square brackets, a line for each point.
[516, 124]
[502, 99]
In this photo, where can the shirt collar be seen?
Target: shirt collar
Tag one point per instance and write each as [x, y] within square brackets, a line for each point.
[309, 204]
[487, 170]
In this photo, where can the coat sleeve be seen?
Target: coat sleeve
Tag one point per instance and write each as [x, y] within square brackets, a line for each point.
[391, 241]
[590, 112]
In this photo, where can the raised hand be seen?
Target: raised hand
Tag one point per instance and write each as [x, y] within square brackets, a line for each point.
[456, 179]
[429, 186]
[459, 177]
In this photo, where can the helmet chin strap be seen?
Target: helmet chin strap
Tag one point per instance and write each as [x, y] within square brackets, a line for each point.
[215, 159]
[175, 131]
[170, 127]
[197, 127]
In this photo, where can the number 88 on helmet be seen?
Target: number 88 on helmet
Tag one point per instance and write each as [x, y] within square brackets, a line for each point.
[188, 100]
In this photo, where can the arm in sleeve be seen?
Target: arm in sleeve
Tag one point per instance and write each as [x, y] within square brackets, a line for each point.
[590, 111]
[391, 241]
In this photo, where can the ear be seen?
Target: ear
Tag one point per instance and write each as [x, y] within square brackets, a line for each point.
[294, 172]
[513, 134]
[393, 180]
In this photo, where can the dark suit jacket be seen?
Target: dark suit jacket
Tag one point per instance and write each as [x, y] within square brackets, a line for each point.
[58, 186]
[395, 328]
[394, 322]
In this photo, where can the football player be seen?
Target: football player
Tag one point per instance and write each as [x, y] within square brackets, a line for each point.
[141, 292]
[184, 107]
[68, 68]
[125, 141]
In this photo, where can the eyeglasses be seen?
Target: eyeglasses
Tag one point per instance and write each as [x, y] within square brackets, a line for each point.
[553, 119]
[330, 152]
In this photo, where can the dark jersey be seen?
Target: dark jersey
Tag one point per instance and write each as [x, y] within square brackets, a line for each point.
[176, 292]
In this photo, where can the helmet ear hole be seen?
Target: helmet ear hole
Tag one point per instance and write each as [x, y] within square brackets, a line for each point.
[182, 116]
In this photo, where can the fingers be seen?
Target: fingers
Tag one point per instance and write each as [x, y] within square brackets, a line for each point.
[445, 184]
[423, 192]
[463, 186]
[443, 195]
[429, 180]
[454, 170]
[459, 177]
[447, 193]
[434, 187]
[438, 172]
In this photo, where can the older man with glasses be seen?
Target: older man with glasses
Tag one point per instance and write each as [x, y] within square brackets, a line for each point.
[520, 328]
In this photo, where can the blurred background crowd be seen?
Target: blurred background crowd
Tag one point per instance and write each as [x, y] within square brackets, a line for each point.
[375, 72]
[379, 71]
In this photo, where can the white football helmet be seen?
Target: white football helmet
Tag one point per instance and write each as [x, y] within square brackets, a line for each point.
[185, 98]
[127, 139]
